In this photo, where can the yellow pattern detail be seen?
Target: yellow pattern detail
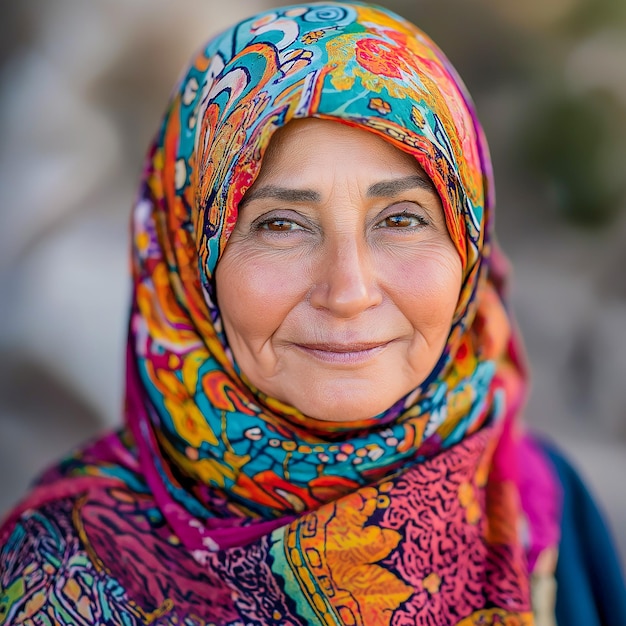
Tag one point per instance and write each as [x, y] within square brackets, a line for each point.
[339, 555]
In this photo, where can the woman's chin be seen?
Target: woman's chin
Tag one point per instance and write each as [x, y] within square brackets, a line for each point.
[340, 396]
[345, 409]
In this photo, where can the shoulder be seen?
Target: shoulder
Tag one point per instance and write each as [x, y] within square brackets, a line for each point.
[589, 575]
[47, 576]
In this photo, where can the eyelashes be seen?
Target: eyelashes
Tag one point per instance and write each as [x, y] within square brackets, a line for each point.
[403, 220]
[277, 225]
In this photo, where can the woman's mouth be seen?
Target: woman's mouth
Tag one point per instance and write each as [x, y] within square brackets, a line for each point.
[343, 354]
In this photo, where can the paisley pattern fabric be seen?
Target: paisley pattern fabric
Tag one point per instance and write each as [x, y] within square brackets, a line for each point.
[219, 505]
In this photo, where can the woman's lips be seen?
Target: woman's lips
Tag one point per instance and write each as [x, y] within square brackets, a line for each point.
[349, 354]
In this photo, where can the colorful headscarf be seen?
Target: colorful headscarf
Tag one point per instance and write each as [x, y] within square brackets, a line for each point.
[219, 505]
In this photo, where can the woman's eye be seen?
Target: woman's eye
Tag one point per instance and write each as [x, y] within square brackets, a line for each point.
[403, 220]
[279, 225]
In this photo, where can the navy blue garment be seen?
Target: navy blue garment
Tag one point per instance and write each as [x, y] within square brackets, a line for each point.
[591, 589]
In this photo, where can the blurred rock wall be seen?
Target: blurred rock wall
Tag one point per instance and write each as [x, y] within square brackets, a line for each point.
[82, 88]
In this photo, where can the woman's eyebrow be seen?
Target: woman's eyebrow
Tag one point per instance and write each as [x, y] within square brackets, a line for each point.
[398, 185]
[281, 193]
[383, 188]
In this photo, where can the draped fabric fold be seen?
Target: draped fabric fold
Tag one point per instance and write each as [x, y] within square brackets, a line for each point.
[217, 504]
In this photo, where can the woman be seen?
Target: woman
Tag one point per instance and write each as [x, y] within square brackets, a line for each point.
[323, 382]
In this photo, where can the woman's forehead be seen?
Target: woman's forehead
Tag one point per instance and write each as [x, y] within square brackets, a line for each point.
[308, 159]
[308, 138]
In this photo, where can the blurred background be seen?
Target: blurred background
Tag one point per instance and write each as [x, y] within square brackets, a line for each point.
[82, 89]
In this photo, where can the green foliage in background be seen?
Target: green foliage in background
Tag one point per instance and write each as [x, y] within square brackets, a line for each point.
[577, 147]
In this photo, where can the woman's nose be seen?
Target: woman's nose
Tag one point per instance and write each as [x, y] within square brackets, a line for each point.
[346, 283]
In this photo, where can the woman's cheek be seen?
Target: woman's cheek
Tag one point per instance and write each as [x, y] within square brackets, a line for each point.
[427, 279]
[256, 292]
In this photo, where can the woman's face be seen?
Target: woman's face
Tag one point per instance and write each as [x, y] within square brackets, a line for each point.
[339, 282]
